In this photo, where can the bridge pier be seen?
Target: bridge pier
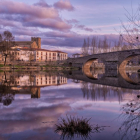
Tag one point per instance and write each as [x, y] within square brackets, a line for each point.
[111, 68]
[111, 65]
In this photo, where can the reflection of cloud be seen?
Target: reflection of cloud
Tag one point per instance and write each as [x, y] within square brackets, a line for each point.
[31, 118]
[25, 116]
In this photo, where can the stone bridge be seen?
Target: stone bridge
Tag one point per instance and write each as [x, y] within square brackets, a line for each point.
[112, 60]
[110, 79]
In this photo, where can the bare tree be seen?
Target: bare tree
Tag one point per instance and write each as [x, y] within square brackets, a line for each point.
[94, 45]
[131, 29]
[6, 42]
[85, 47]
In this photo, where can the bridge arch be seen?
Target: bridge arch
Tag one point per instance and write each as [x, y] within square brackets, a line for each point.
[122, 67]
[126, 60]
[88, 63]
[86, 67]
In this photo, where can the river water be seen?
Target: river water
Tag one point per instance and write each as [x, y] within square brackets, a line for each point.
[32, 103]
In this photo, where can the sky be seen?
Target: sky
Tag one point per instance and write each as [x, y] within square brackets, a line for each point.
[63, 24]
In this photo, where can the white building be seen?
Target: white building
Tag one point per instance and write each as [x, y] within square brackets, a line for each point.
[35, 54]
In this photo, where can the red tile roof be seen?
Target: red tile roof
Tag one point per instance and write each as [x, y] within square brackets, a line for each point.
[37, 49]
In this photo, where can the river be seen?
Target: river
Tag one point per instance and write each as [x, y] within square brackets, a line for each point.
[32, 103]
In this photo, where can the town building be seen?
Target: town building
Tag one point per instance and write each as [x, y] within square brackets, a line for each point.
[32, 51]
[35, 54]
[34, 43]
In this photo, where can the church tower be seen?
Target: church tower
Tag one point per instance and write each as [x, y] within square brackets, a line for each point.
[37, 40]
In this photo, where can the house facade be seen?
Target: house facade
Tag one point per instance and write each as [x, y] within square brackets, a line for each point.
[35, 54]
[32, 51]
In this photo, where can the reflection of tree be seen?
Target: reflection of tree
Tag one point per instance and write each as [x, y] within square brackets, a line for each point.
[95, 91]
[6, 95]
[7, 99]
[130, 128]
[85, 89]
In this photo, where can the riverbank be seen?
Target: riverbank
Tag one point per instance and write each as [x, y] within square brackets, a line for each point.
[36, 68]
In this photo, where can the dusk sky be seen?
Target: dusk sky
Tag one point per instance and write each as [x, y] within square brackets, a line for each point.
[63, 24]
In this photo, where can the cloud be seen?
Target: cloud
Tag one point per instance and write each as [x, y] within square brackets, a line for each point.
[11, 7]
[49, 23]
[6, 23]
[82, 27]
[64, 5]
[32, 15]
[72, 21]
[42, 3]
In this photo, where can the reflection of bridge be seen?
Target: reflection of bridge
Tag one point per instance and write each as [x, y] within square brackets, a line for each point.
[111, 60]
[110, 79]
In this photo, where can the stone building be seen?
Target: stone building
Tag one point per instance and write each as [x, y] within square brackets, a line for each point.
[32, 51]
[34, 43]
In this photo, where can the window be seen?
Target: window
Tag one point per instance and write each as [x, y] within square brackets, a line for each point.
[54, 54]
[41, 53]
[37, 53]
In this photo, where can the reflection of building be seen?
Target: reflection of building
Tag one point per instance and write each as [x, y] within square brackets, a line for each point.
[50, 80]
[38, 80]
[35, 92]
[14, 83]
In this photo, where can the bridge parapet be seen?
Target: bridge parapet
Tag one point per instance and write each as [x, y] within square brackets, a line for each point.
[112, 60]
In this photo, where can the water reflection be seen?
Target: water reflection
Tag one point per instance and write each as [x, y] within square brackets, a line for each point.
[130, 128]
[97, 92]
[26, 83]
[34, 101]
[134, 76]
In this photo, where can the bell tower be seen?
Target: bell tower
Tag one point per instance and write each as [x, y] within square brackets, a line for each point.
[37, 40]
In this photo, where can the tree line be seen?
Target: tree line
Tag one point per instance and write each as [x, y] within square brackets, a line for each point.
[97, 45]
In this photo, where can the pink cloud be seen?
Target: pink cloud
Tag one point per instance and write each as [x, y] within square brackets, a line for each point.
[32, 15]
[11, 7]
[64, 5]
[42, 3]
[50, 23]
